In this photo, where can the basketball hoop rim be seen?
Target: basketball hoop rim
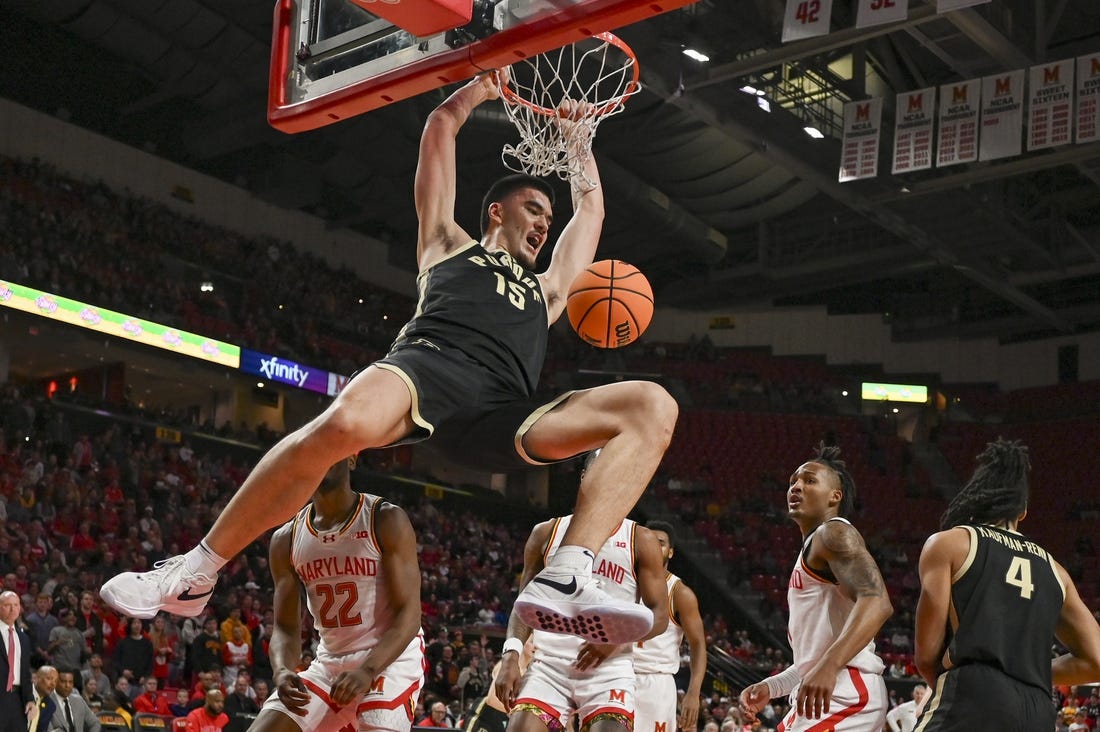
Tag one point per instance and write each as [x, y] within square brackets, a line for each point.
[512, 98]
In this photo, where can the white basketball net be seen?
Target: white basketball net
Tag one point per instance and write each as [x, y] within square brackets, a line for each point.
[599, 73]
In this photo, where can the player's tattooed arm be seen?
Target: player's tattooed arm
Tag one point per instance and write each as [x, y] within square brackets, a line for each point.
[841, 547]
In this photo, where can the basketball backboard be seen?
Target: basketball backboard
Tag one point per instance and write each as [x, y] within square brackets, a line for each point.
[331, 59]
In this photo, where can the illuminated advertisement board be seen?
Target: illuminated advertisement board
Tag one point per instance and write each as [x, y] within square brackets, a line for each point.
[120, 325]
[291, 373]
[894, 392]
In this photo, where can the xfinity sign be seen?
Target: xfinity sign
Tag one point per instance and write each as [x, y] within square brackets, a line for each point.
[284, 371]
[287, 372]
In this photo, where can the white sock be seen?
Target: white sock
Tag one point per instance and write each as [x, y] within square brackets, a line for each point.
[204, 560]
[575, 560]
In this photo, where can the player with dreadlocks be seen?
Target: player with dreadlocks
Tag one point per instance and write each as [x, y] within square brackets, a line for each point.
[838, 603]
[991, 604]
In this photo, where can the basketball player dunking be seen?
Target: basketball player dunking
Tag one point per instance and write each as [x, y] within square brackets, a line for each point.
[570, 677]
[657, 660]
[838, 603]
[991, 604]
[464, 371]
[354, 555]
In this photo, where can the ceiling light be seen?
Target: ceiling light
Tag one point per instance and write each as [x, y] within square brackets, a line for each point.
[206, 287]
[844, 393]
[260, 384]
[749, 89]
[764, 104]
[814, 132]
[696, 56]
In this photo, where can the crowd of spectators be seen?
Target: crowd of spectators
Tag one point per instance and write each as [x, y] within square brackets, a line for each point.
[130, 254]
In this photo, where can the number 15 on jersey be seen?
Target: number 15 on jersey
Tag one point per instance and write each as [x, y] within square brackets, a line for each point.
[806, 19]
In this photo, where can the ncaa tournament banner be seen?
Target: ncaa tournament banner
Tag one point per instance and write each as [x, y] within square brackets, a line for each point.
[1050, 104]
[878, 12]
[1002, 115]
[958, 138]
[806, 19]
[916, 112]
[943, 6]
[1088, 98]
[859, 149]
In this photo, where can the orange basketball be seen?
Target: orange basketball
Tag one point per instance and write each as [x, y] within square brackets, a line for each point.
[610, 304]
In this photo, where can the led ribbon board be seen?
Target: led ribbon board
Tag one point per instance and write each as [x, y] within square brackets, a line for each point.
[120, 325]
[874, 392]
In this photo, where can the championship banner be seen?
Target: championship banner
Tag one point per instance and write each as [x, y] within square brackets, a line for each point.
[806, 19]
[879, 12]
[916, 111]
[859, 150]
[958, 138]
[943, 6]
[1088, 98]
[1050, 105]
[1002, 115]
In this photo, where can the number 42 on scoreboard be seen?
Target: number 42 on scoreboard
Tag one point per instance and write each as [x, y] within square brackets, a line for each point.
[809, 11]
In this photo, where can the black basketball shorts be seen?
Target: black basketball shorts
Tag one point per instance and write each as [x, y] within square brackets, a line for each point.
[981, 697]
[472, 417]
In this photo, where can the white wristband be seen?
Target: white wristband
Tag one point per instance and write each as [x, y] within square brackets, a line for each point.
[783, 682]
[512, 645]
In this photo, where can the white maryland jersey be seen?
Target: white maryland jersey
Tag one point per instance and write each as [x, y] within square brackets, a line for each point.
[341, 571]
[661, 655]
[613, 568]
[818, 611]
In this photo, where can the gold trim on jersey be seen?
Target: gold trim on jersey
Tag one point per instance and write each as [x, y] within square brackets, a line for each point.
[528, 423]
[448, 255]
[672, 600]
[550, 541]
[414, 411]
[970, 554]
[347, 522]
[937, 697]
[373, 531]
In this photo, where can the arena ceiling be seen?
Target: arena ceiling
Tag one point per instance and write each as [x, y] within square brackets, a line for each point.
[722, 204]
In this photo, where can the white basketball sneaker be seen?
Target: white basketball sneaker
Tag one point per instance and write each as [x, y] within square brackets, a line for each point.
[169, 586]
[573, 605]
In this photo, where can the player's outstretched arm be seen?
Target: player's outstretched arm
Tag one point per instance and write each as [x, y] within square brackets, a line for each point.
[685, 606]
[576, 247]
[937, 559]
[506, 683]
[435, 182]
[400, 570]
[841, 547]
[1078, 632]
[286, 638]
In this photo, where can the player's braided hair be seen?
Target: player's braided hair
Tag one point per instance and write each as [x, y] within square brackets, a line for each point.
[829, 456]
[998, 489]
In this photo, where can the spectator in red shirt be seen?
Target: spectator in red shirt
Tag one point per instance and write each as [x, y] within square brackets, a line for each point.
[209, 717]
[150, 701]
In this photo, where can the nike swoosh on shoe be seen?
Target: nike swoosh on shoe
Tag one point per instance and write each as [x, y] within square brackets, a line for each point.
[562, 587]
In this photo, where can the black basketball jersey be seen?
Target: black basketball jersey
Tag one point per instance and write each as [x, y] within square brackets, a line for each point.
[489, 307]
[1008, 597]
